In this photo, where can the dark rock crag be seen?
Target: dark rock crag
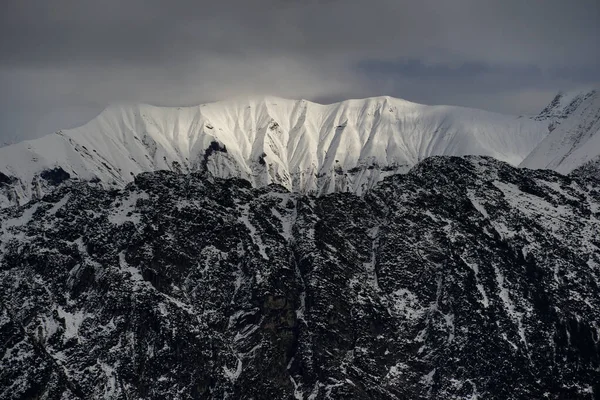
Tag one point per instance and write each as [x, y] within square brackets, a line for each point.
[465, 278]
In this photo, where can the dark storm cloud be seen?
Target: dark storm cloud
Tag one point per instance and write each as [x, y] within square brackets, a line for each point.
[62, 61]
[416, 69]
[484, 77]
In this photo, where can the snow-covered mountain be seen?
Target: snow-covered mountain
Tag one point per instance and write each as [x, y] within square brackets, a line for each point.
[561, 107]
[575, 138]
[304, 146]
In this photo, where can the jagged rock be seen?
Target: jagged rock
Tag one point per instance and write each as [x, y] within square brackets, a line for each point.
[55, 176]
[4, 179]
[465, 278]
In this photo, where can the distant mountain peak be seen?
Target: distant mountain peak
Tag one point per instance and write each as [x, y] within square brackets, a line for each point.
[306, 147]
[575, 133]
[563, 104]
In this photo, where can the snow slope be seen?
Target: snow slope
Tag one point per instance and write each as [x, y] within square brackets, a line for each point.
[561, 107]
[575, 140]
[304, 146]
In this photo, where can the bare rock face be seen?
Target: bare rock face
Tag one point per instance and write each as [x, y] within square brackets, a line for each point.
[55, 176]
[465, 278]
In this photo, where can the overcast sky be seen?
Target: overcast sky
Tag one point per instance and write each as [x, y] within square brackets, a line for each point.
[62, 62]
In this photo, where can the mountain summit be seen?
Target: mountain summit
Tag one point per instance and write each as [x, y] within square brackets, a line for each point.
[574, 143]
[304, 146]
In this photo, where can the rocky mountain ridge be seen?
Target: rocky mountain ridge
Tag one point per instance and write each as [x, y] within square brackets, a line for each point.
[464, 278]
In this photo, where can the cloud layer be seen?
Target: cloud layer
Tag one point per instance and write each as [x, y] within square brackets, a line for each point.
[62, 61]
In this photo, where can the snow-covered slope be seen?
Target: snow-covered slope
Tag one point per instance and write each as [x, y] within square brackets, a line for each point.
[575, 139]
[304, 146]
[562, 106]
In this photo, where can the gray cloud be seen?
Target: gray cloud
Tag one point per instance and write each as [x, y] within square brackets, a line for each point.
[62, 61]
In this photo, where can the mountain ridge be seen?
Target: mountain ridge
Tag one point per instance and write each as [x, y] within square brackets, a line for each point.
[464, 278]
[574, 140]
[305, 146]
